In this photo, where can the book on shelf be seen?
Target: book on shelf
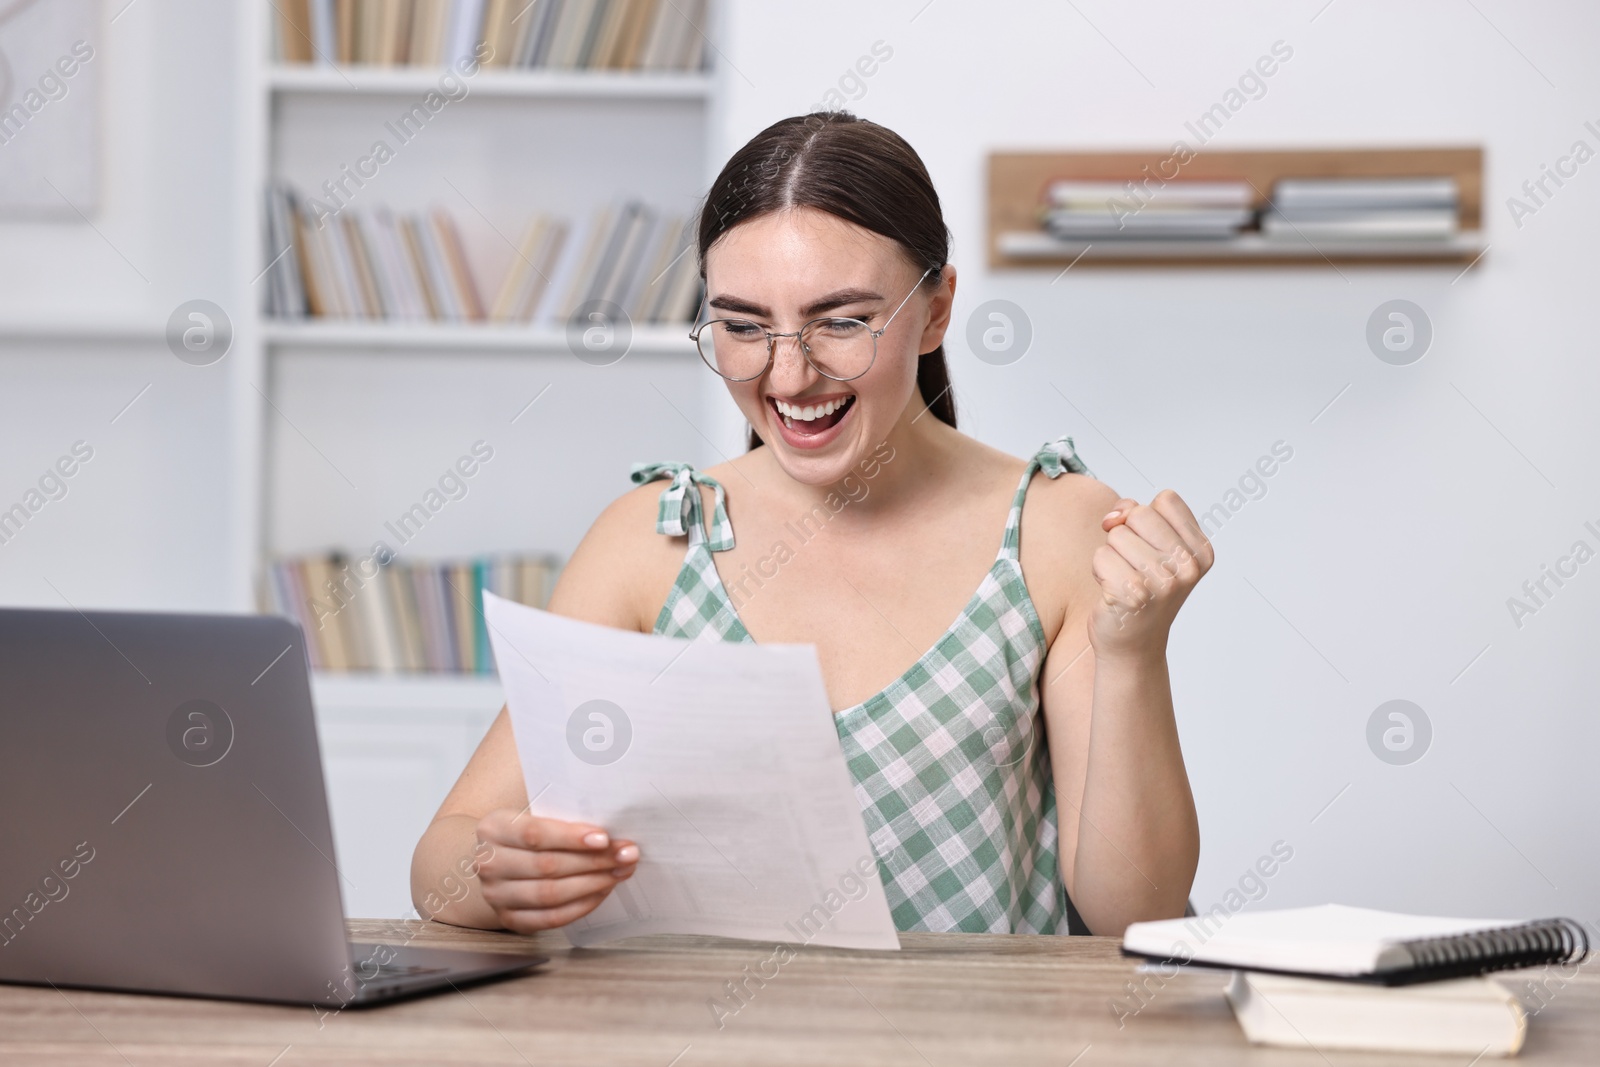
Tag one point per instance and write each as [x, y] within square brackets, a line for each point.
[294, 31]
[401, 616]
[628, 35]
[1169, 224]
[1312, 209]
[1364, 194]
[525, 284]
[286, 289]
[1178, 193]
[1411, 224]
[1102, 210]
[381, 265]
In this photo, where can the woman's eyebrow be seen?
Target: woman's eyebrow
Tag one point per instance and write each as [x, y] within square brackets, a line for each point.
[837, 299]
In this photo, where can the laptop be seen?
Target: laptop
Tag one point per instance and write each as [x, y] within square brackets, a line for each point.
[165, 820]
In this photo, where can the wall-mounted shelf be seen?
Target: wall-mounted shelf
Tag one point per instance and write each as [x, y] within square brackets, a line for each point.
[318, 78]
[672, 340]
[1021, 248]
[1017, 181]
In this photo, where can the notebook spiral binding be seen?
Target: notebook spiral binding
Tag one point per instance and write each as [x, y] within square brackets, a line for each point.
[1545, 941]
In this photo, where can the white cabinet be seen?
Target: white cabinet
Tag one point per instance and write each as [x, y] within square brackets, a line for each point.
[391, 749]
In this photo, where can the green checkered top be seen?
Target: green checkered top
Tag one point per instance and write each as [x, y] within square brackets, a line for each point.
[949, 761]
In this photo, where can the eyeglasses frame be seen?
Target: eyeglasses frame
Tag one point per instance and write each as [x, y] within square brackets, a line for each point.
[772, 338]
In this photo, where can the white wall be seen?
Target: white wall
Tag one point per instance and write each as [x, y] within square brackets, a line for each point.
[146, 521]
[1379, 562]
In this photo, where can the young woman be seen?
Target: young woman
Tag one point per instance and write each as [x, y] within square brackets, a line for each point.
[1018, 769]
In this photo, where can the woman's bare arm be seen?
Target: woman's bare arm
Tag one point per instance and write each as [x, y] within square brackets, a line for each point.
[484, 861]
[1129, 834]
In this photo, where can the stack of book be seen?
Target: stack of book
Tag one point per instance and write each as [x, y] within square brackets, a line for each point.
[356, 264]
[1362, 209]
[1335, 977]
[360, 265]
[630, 255]
[401, 616]
[1079, 211]
[551, 34]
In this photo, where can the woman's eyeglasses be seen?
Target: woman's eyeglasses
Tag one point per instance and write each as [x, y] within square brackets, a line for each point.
[839, 348]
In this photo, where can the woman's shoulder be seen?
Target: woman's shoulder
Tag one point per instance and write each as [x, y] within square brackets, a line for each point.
[1060, 531]
[1060, 485]
[1064, 485]
[622, 569]
[631, 516]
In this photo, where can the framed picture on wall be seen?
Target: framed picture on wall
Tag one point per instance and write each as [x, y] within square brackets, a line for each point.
[49, 108]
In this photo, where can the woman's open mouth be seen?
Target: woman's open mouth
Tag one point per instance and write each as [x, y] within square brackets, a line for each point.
[810, 425]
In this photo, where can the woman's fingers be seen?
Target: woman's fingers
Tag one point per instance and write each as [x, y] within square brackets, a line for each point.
[541, 873]
[1120, 583]
[532, 920]
[525, 830]
[1153, 555]
[1171, 507]
[513, 863]
[1149, 537]
[525, 894]
[1118, 513]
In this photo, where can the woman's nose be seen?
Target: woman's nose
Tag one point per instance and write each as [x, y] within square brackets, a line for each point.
[791, 373]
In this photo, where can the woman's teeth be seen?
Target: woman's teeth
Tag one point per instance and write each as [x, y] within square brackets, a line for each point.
[809, 413]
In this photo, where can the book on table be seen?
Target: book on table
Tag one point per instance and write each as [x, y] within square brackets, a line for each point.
[1469, 1016]
[1356, 978]
[1361, 944]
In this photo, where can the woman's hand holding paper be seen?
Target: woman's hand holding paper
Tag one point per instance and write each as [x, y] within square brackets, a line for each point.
[542, 873]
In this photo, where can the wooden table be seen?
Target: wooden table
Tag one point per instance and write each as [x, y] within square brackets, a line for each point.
[945, 999]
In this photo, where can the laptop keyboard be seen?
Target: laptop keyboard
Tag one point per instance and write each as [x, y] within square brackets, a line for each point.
[367, 968]
[367, 972]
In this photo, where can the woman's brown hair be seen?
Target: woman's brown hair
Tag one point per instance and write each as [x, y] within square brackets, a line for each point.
[852, 168]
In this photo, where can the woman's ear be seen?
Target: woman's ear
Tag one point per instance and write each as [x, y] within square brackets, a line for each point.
[939, 308]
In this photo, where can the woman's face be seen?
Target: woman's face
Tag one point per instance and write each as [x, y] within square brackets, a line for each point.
[782, 269]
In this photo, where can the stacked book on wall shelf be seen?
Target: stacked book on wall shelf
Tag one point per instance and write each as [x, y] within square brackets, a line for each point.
[384, 265]
[1119, 211]
[648, 35]
[1344, 209]
[401, 616]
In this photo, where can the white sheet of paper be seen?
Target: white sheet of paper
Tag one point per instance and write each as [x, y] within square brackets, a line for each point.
[720, 759]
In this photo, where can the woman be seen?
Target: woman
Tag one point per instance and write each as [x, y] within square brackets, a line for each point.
[1018, 769]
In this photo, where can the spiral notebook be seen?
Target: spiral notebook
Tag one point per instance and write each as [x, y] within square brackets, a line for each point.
[1358, 944]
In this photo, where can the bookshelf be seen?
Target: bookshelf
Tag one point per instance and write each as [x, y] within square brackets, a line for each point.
[1016, 182]
[318, 80]
[392, 402]
[486, 159]
[435, 337]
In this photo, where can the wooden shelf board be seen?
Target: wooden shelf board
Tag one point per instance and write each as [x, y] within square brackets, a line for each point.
[1017, 182]
[1033, 248]
[476, 337]
[489, 81]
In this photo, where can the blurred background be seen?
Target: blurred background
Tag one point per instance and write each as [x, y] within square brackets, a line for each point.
[275, 275]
